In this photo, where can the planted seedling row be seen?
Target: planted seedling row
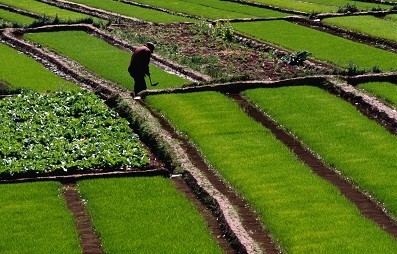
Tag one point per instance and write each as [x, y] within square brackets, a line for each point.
[272, 180]
[322, 46]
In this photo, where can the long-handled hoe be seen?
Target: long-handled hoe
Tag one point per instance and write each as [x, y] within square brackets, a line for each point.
[155, 84]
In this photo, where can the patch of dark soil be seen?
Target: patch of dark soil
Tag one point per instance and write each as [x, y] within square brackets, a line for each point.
[367, 206]
[89, 240]
[210, 55]
[247, 215]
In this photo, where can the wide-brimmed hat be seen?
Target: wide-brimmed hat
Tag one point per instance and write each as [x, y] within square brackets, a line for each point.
[150, 45]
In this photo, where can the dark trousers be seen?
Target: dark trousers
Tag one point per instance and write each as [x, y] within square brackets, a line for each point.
[139, 84]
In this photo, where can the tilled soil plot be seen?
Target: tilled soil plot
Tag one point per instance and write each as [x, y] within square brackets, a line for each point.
[211, 54]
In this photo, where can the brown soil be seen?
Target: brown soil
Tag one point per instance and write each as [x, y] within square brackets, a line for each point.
[89, 240]
[223, 59]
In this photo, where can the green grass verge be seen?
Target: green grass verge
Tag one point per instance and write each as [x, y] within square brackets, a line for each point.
[34, 219]
[383, 90]
[134, 11]
[381, 28]
[145, 215]
[102, 58]
[214, 9]
[45, 9]
[360, 148]
[278, 186]
[321, 45]
[64, 132]
[13, 17]
[23, 72]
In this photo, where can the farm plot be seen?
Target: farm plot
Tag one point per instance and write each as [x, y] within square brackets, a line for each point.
[12, 17]
[377, 27]
[145, 215]
[383, 90]
[45, 9]
[359, 148]
[313, 6]
[214, 9]
[63, 133]
[100, 57]
[321, 45]
[274, 182]
[133, 11]
[34, 219]
[20, 71]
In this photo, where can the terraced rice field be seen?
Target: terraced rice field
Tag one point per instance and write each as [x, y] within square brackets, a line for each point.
[198, 165]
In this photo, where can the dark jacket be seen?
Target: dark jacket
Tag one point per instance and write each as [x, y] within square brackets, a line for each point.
[139, 64]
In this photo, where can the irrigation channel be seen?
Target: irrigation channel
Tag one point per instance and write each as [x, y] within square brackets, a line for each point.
[242, 233]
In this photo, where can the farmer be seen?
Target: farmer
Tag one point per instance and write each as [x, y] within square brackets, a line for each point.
[139, 67]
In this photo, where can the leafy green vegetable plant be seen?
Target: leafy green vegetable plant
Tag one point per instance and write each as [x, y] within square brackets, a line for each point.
[64, 132]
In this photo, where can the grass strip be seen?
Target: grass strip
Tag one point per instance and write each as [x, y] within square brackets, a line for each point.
[107, 61]
[370, 25]
[213, 9]
[34, 219]
[279, 187]
[383, 90]
[21, 71]
[133, 11]
[45, 9]
[13, 17]
[63, 132]
[321, 45]
[360, 148]
[145, 215]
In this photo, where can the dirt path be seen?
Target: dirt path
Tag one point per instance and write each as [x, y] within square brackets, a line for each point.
[367, 206]
[89, 240]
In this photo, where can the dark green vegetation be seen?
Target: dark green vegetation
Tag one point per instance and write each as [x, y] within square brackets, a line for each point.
[359, 148]
[146, 215]
[377, 27]
[271, 179]
[383, 90]
[34, 219]
[321, 45]
[100, 57]
[21, 71]
[64, 132]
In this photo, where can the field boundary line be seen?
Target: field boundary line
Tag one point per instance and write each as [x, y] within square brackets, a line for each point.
[89, 240]
[267, 6]
[368, 206]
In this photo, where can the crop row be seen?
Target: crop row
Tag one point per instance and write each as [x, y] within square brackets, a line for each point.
[278, 186]
[377, 27]
[12, 17]
[63, 132]
[142, 215]
[100, 57]
[321, 45]
[44, 9]
[24, 72]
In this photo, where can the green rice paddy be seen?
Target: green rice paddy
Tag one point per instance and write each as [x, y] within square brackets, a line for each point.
[13, 17]
[34, 219]
[278, 186]
[145, 215]
[321, 45]
[383, 90]
[107, 61]
[20, 71]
